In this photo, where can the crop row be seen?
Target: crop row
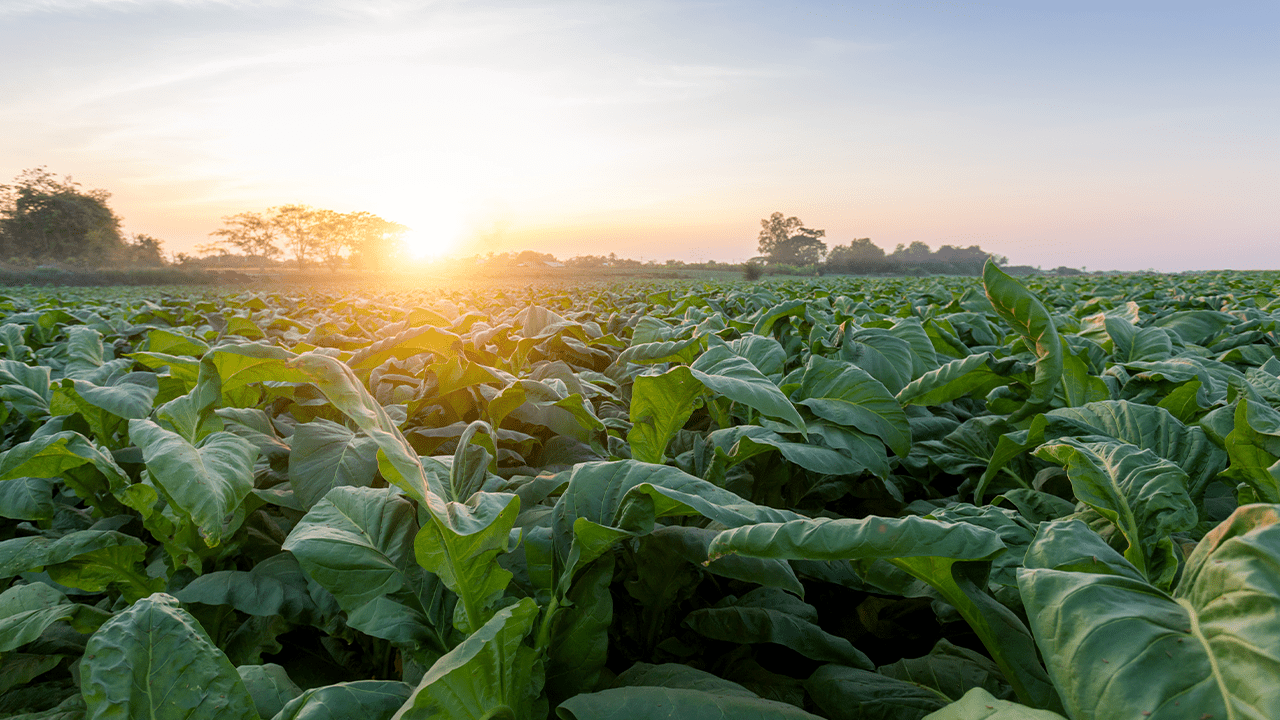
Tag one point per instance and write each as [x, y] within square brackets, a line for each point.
[900, 499]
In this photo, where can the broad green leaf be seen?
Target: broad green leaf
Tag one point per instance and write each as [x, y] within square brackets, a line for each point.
[118, 565]
[457, 373]
[1144, 496]
[357, 543]
[491, 674]
[206, 482]
[537, 321]
[753, 619]
[578, 645]
[692, 543]
[949, 557]
[26, 611]
[269, 686]
[978, 704]
[541, 404]
[240, 365]
[167, 341]
[769, 317]
[866, 451]
[846, 693]
[951, 671]
[362, 699]
[397, 460]
[462, 552]
[1253, 447]
[664, 351]
[847, 538]
[847, 395]
[127, 396]
[275, 586]
[628, 496]
[886, 357]
[84, 466]
[763, 352]
[737, 379]
[244, 327]
[88, 560]
[966, 376]
[1079, 386]
[744, 441]
[1134, 344]
[660, 405]
[461, 541]
[193, 415]
[657, 703]
[182, 369]
[14, 342]
[1147, 427]
[27, 498]
[154, 662]
[1184, 402]
[18, 669]
[1028, 317]
[1195, 326]
[1069, 544]
[325, 455]
[85, 353]
[1117, 646]
[676, 675]
[471, 460]
[26, 387]
[407, 344]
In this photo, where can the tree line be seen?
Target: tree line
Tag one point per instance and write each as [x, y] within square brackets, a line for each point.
[47, 218]
[307, 234]
[52, 219]
[786, 241]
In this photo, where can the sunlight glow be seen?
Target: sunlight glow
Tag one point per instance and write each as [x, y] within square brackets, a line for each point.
[432, 244]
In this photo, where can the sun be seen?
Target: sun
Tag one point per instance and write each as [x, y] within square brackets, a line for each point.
[430, 245]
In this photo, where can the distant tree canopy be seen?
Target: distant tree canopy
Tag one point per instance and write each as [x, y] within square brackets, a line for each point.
[308, 234]
[143, 251]
[45, 217]
[857, 252]
[861, 256]
[786, 241]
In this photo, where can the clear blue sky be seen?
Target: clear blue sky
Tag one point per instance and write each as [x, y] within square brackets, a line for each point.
[1116, 134]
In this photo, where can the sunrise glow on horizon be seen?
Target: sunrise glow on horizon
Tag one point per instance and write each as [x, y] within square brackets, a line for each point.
[1111, 135]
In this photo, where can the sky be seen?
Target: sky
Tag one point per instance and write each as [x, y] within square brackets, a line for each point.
[1119, 134]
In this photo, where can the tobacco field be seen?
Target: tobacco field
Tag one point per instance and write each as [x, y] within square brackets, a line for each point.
[893, 499]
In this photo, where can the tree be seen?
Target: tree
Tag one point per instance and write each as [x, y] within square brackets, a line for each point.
[44, 217]
[374, 240]
[337, 235]
[144, 251]
[786, 240]
[299, 226]
[967, 261]
[251, 233]
[858, 253]
[916, 253]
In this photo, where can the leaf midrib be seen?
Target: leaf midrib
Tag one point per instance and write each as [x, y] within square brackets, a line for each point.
[1214, 669]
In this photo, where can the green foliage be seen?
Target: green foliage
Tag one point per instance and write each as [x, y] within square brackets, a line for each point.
[44, 217]
[939, 498]
[786, 241]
